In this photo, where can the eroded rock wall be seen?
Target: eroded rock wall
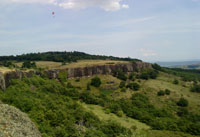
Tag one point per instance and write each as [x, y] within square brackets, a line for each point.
[6, 78]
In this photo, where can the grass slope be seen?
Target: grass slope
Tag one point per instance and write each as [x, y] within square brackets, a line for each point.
[80, 63]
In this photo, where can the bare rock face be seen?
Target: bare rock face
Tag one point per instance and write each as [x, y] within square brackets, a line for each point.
[17, 75]
[14, 123]
[105, 69]
[6, 78]
[2, 82]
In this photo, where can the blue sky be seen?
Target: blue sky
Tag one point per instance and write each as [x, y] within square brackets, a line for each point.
[151, 30]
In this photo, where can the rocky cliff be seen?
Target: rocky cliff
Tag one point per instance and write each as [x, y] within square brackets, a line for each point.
[6, 78]
[14, 123]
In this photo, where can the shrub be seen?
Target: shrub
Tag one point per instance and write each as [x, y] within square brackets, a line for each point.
[175, 82]
[120, 113]
[107, 111]
[161, 93]
[157, 67]
[123, 89]
[182, 102]
[144, 76]
[29, 64]
[96, 82]
[120, 75]
[182, 112]
[77, 80]
[133, 86]
[69, 85]
[88, 86]
[131, 76]
[94, 133]
[88, 98]
[148, 73]
[167, 91]
[122, 84]
[7, 64]
[113, 129]
[195, 88]
[62, 76]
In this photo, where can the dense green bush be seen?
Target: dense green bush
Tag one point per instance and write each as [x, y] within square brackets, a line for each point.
[182, 111]
[120, 75]
[51, 106]
[123, 89]
[175, 82]
[182, 102]
[195, 88]
[29, 64]
[61, 57]
[96, 82]
[7, 64]
[157, 67]
[131, 76]
[54, 109]
[88, 86]
[133, 86]
[148, 74]
[122, 84]
[167, 91]
[69, 85]
[161, 93]
[62, 76]
[113, 129]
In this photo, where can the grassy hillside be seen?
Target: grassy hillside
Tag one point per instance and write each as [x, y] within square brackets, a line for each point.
[147, 103]
[79, 63]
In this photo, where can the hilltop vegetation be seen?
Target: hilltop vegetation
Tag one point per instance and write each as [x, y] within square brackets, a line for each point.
[60, 57]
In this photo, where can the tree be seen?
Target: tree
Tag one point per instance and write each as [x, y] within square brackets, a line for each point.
[120, 75]
[182, 102]
[133, 86]
[122, 84]
[62, 76]
[175, 82]
[195, 88]
[29, 64]
[131, 76]
[167, 91]
[88, 86]
[182, 111]
[157, 67]
[96, 82]
[161, 93]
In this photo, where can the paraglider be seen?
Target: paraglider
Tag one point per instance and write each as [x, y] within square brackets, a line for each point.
[53, 14]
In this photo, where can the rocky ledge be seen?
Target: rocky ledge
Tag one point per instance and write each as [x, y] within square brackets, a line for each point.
[73, 72]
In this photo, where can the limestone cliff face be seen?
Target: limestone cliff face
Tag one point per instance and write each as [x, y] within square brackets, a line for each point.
[106, 69]
[6, 78]
[2, 81]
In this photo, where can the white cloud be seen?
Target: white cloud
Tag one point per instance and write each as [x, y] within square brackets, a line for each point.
[133, 21]
[107, 5]
[125, 6]
[147, 53]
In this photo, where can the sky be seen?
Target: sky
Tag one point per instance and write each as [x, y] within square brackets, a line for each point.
[151, 30]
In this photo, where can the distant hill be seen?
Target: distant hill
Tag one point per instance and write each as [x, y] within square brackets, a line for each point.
[61, 57]
[178, 64]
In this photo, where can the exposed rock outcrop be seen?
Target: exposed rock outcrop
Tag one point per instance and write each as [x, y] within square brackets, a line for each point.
[2, 81]
[6, 78]
[14, 123]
